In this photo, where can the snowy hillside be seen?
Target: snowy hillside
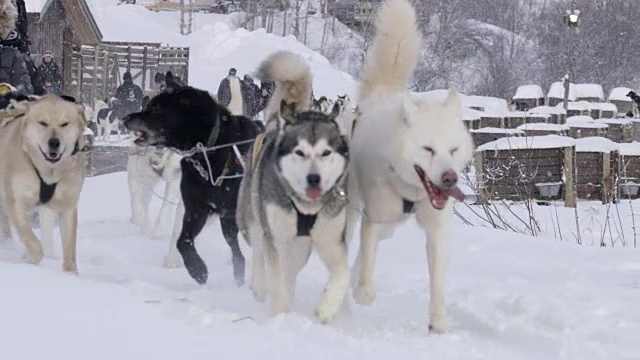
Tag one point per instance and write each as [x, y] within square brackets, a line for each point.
[509, 297]
[216, 45]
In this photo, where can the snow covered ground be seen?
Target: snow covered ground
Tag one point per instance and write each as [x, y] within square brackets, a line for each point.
[509, 297]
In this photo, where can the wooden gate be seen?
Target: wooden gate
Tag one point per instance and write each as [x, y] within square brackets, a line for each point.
[97, 70]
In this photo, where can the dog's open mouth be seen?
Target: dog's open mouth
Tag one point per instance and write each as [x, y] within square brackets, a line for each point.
[313, 192]
[437, 195]
[52, 156]
[140, 137]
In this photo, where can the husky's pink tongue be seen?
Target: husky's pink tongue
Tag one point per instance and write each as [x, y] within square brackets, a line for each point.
[456, 193]
[314, 193]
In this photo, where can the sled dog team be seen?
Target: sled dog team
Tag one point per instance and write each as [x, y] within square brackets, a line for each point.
[299, 183]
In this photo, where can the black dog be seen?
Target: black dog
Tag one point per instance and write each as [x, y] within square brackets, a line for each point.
[181, 117]
[632, 94]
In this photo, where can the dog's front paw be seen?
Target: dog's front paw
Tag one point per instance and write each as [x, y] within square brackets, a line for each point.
[71, 268]
[172, 262]
[326, 312]
[259, 292]
[34, 256]
[196, 267]
[364, 295]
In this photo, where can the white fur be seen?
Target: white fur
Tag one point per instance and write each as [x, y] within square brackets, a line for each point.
[278, 264]
[312, 159]
[393, 131]
[142, 180]
[235, 106]
[104, 125]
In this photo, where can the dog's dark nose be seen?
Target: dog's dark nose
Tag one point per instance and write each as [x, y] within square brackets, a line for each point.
[54, 144]
[449, 179]
[313, 180]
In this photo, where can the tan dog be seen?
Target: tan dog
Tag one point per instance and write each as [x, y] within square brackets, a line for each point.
[42, 166]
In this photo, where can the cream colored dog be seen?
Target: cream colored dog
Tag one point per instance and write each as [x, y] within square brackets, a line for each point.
[42, 166]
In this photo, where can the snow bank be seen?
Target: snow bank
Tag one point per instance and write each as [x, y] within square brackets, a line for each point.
[596, 144]
[529, 92]
[620, 94]
[528, 142]
[589, 91]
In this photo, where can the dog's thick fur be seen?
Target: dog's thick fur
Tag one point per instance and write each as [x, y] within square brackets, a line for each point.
[406, 154]
[144, 170]
[8, 17]
[294, 84]
[41, 147]
[181, 117]
[298, 174]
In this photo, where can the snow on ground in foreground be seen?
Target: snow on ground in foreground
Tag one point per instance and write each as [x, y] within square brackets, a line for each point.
[508, 296]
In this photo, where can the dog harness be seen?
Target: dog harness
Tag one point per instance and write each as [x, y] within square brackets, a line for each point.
[257, 146]
[304, 222]
[408, 207]
[46, 190]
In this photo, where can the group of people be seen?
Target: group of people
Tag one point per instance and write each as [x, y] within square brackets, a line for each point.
[244, 96]
[17, 68]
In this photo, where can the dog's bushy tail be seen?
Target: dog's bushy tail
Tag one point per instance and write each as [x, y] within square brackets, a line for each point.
[293, 81]
[393, 55]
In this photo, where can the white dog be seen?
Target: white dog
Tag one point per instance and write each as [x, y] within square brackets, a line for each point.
[406, 154]
[145, 170]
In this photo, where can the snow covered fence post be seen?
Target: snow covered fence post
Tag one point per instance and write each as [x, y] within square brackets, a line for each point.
[569, 178]
[606, 178]
[480, 183]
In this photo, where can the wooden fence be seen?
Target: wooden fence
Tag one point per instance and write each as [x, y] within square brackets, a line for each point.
[96, 70]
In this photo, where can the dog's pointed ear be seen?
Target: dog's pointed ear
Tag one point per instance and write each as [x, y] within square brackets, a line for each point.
[287, 113]
[454, 102]
[335, 111]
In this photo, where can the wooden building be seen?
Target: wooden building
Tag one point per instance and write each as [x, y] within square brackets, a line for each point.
[520, 168]
[629, 171]
[624, 104]
[61, 26]
[528, 97]
[597, 164]
[620, 130]
[540, 129]
[485, 135]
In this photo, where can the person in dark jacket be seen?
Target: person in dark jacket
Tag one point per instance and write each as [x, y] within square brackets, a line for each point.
[13, 70]
[251, 96]
[230, 93]
[14, 28]
[49, 75]
[129, 97]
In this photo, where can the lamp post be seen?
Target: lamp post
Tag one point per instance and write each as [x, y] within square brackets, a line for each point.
[572, 19]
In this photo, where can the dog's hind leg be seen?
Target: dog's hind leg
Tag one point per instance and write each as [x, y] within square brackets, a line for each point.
[230, 231]
[195, 218]
[69, 233]
[171, 197]
[47, 224]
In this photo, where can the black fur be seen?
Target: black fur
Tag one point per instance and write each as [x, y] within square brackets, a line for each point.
[181, 117]
[632, 94]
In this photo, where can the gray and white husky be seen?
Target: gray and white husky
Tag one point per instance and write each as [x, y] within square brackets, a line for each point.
[292, 196]
[406, 154]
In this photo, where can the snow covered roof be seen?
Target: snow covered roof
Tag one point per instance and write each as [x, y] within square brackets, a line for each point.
[595, 144]
[528, 142]
[551, 110]
[470, 114]
[556, 90]
[629, 149]
[589, 91]
[584, 121]
[577, 105]
[620, 94]
[604, 106]
[579, 118]
[529, 92]
[493, 130]
[494, 107]
[543, 127]
[616, 121]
